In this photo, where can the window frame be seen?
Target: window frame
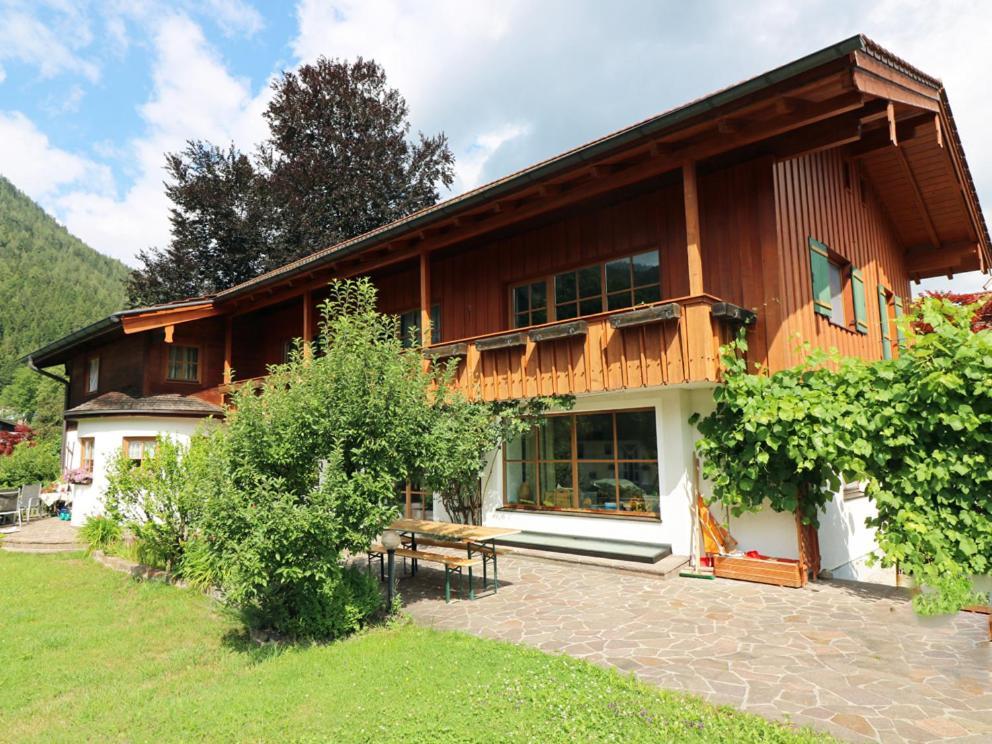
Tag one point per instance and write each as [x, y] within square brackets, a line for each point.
[845, 268]
[87, 444]
[199, 364]
[144, 440]
[575, 461]
[88, 375]
[550, 282]
[435, 324]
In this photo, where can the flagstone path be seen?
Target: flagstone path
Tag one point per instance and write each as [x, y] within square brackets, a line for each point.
[850, 659]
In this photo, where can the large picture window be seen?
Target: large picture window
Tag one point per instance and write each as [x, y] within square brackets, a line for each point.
[612, 285]
[596, 463]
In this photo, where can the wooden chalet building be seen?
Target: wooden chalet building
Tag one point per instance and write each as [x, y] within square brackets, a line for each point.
[802, 202]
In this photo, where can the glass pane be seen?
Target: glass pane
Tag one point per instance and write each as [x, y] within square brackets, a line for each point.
[594, 436]
[539, 316]
[538, 294]
[638, 487]
[521, 483]
[618, 301]
[134, 450]
[564, 312]
[523, 448]
[837, 295]
[618, 275]
[597, 486]
[521, 320]
[591, 306]
[590, 281]
[556, 438]
[636, 436]
[565, 287]
[521, 299]
[645, 268]
[435, 324]
[556, 485]
[646, 294]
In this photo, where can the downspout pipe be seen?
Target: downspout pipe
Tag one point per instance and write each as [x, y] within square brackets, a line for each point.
[65, 404]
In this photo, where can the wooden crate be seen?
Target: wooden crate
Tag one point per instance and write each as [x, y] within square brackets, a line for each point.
[770, 571]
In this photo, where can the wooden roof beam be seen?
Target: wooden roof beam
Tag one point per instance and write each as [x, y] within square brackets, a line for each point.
[921, 203]
[924, 261]
[881, 138]
[166, 318]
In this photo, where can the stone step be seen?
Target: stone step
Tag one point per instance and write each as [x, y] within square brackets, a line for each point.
[40, 547]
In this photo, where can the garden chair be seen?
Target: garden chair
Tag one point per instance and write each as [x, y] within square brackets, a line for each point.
[30, 498]
[9, 505]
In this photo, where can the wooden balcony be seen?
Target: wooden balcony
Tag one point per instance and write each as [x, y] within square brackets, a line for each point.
[666, 343]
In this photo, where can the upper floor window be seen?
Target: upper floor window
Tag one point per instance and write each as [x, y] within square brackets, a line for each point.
[86, 447]
[184, 364]
[611, 285]
[92, 374]
[410, 325]
[838, 288]
[136, 449]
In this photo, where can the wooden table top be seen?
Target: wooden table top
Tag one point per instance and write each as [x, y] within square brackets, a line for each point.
[471, 532]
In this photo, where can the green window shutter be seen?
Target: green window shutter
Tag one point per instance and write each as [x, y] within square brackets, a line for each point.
[860, 306]
[900, 333]
[883, 312]
[820, 269]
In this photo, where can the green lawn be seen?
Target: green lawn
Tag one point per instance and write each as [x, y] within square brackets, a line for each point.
[86, 653]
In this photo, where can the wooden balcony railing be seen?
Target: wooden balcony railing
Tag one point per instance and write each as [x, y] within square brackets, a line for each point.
[666, 343]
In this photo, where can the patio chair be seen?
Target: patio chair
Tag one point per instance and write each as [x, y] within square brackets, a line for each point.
[30, 499]
[9, 505]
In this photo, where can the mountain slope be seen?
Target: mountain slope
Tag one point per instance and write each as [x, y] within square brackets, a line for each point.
[50, 284]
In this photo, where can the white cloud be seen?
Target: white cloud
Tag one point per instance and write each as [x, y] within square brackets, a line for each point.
[3, 74]
[40, 169]
[49, 48]
[235, 17]
[194, 96]
[470, 165]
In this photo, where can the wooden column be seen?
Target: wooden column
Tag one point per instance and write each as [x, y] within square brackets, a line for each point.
[228, 333]
[700, 328]
[692, 243]
[425, 299]
[307, 322]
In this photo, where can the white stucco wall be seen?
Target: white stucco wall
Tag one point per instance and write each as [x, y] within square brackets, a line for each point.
[672, 410]
[108, 438]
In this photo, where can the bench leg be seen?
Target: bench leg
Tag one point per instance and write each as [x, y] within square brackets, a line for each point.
[485, 580]
[471, 586]
[447, 585]
[495, 574]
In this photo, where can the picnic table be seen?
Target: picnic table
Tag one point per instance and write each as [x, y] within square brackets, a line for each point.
[477, 542]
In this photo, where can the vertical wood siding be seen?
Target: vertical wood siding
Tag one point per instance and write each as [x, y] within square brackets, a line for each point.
[812, 200]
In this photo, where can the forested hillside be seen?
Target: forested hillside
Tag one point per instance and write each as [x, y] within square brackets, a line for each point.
[50, 284]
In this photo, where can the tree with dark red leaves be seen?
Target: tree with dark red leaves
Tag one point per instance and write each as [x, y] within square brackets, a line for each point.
[339, 162]
[10, 439]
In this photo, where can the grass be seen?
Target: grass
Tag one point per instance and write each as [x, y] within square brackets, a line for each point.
[89, 654]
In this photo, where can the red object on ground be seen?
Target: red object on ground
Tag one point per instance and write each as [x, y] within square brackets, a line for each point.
[706, 560]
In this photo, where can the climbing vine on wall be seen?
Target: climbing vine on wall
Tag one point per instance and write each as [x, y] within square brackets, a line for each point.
[918, 428]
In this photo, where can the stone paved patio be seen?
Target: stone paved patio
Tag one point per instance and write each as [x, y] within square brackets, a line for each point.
[845, 658]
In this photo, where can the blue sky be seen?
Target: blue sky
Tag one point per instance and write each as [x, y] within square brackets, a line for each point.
[92, 94]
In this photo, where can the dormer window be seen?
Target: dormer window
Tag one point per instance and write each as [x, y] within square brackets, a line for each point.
[92, 374]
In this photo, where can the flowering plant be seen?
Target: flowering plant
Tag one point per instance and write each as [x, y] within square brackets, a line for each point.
[78, 476]
[10, 439]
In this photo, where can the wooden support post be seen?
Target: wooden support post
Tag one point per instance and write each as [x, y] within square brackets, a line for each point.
[890, 114]
[693, 249]
[228, 333]
[425, 299]
[169, 331]
[307, 322]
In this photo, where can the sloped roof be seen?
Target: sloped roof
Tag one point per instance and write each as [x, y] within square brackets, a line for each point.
[119, 404]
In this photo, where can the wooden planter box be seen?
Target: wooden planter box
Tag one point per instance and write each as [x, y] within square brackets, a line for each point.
[771, 571]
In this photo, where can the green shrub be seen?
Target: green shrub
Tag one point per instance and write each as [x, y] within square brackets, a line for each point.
[197, 567]
[160, 499]
[34, 461]
[100, 533]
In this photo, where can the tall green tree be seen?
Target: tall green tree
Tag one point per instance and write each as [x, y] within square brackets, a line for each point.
[339, 161]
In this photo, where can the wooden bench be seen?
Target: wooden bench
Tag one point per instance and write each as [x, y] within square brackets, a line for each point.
[982, 610]
[452, 564]
[487, 552]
